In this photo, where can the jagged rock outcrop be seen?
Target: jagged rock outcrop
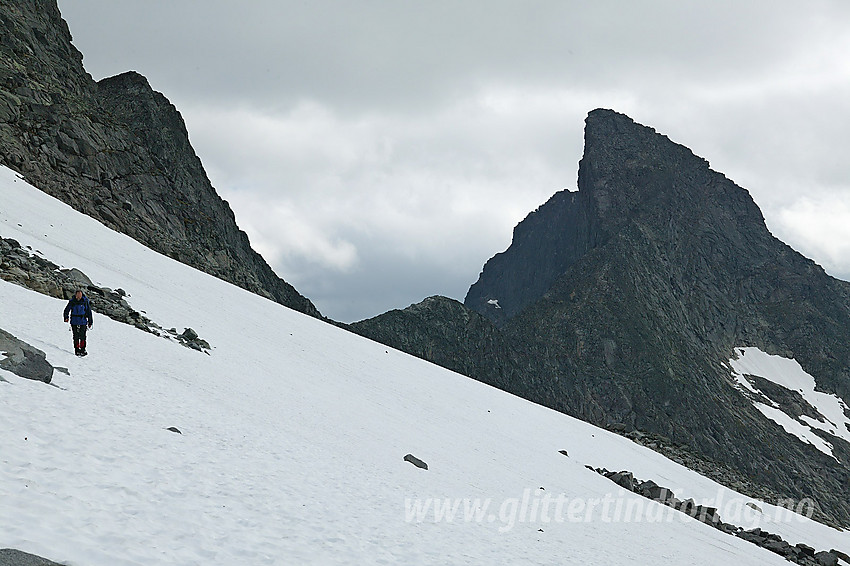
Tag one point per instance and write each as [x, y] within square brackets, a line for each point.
[665, 266]
[116, 150]
[28, 269]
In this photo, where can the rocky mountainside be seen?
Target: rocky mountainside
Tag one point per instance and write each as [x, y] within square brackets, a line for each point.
[622, 304]
[116, 150]
[445, 332]
[544, 245]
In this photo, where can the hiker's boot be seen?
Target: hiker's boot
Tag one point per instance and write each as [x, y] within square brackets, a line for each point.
[83, 348]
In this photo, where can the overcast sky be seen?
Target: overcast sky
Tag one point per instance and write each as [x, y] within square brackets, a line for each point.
[378, 152]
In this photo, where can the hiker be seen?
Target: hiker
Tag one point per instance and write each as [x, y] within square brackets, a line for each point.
[80, 310]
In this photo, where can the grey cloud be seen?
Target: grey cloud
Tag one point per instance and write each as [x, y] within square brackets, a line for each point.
[379, 152]
[388, 53]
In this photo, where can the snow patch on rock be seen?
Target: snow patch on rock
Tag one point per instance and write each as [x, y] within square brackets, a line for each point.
[788, 373]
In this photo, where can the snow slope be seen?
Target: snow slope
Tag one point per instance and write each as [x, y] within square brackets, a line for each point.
[294, 434]
[789, 374]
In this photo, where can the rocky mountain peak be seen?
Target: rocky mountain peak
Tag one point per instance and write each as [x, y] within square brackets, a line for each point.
[630, 171]
[630, 177]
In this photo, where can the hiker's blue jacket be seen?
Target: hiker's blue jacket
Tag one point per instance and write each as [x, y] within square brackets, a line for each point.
[80, 311]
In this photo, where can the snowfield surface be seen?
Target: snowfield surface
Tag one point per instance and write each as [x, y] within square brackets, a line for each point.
[293, 439]
[789, 374]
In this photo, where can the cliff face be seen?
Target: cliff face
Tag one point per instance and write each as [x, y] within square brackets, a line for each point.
[544, 246]
[622, 304]
[116, 150]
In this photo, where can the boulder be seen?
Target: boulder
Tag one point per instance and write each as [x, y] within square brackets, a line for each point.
[755, 536]
[645, 488]
[824, 558]
[624, 479]
[189, 334]
[805, 549]
[23, 360]
[779, 547]
[706, 514]
[78, 277]
[659, 493]
[12, 557]
[415, 461]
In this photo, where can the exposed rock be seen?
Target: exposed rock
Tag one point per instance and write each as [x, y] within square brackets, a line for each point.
[34, 272]
[189, 334]
[805, 549]
[800, 553]
[415, 461]
[12, 557]
[720, 473]
[190, 339]
[77, 277]
[9, 106]
[174, 429]
[623, 479]
[23, 360]
[545, 245]
[825, 558]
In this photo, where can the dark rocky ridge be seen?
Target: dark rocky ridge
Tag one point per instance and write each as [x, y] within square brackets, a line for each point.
[117, 151]
[666, 267]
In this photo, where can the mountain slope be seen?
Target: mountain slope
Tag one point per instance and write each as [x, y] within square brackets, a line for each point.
[118, 151]
[443, 331]
[293, 437]
[666, 268]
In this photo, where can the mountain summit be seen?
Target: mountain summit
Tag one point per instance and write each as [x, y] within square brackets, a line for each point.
[629, 174]
[624, 304]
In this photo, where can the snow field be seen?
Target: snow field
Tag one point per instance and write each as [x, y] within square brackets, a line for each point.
[293, 437]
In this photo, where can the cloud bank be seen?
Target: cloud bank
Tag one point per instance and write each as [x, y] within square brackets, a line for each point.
[378, 152]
